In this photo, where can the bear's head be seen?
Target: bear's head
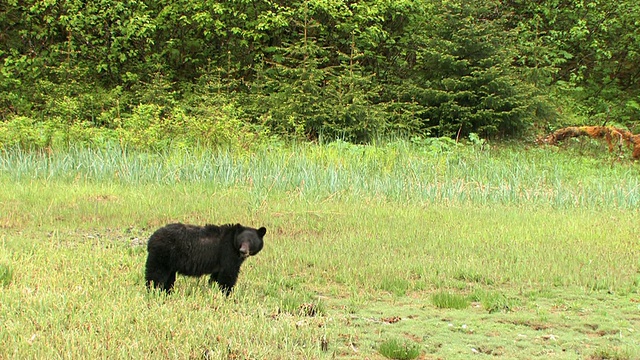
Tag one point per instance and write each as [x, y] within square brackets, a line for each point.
[249, 241]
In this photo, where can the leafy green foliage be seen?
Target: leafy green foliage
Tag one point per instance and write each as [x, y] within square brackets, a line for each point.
[148, 127]
[587, 49]
[322, 69]
[304, 69]
[460, 73]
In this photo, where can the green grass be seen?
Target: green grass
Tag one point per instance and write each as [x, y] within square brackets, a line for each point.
[398, 349]
[447, 300]
[6, 275]
[360, 240]
[493, 301]
[611, 353]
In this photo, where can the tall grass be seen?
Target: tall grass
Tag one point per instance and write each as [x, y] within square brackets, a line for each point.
[398, 171]
[447, 300]
[398, 349]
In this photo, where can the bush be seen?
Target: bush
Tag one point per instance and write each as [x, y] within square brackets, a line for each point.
[309, 70]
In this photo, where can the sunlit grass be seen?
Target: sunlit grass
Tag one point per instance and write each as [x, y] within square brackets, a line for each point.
[349, 260]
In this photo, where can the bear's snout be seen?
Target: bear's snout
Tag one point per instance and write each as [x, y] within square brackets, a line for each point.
[244, 250]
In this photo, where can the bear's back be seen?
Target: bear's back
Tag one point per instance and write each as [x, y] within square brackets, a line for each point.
[184, 236]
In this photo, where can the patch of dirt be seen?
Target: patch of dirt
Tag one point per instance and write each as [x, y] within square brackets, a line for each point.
[592, 326]
[532, 324]
[391, 319]
[498, 351]
[104, 198]
[308, 309]
[413, 337]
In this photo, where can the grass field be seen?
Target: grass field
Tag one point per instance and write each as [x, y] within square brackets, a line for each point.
[400, 250]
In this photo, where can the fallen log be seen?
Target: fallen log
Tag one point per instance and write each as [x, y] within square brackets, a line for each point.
[611, 134]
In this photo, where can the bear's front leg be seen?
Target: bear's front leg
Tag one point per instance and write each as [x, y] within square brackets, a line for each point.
[160, 278]
[168, 285]
[227, 280]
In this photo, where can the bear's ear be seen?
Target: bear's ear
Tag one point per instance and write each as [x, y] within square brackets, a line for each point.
[262, 231]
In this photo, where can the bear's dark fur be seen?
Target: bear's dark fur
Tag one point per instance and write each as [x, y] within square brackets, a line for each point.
[198, 250]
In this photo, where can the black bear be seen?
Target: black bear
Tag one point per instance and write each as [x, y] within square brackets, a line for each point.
[198, 250]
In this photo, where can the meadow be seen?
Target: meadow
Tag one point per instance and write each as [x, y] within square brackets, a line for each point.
[404, 249]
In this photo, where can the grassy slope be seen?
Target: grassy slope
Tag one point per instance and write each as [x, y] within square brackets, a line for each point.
[543, 245]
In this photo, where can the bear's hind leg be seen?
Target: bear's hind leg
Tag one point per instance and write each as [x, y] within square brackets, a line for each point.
[213, 278]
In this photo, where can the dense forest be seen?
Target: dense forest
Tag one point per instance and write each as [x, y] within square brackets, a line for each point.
[147, 71]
